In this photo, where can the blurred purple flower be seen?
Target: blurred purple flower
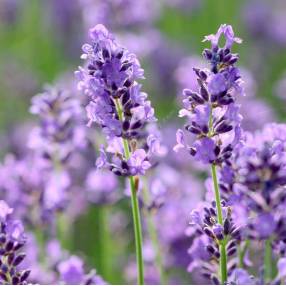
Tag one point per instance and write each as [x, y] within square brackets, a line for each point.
[102, 186]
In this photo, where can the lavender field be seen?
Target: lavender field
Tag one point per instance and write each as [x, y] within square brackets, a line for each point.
[142, 142]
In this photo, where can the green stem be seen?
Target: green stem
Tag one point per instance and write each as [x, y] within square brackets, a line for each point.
[137, 231]
[268, 261]
[135, 207]
[63, 231]
[222, 244]
[222, 247]
[217, 195]
[155, 241]
[242, 252]
[104, 241]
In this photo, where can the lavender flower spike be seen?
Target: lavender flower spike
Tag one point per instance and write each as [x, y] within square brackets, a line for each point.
[12, 240]
[54, 141]
[214, 119]
[122, 110]
[116, 102]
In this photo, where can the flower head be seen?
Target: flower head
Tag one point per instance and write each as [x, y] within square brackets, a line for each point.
[212, 114]
[117, 104]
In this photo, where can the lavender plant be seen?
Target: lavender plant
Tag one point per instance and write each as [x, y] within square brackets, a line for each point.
[117, 104]
[214, 120]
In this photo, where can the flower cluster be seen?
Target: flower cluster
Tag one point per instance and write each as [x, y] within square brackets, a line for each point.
[258, 181]
[60, 133]
[12, 240]
[206, 234]
[214, 117]
[117, 104]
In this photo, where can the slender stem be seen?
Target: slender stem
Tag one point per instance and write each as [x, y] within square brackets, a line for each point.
[137, 231]
[268, 261]
[154, 239]
[242, 252]
[223, 262]
[223, 256]
[222, 244]
[135, 207]
[103, 241]
[217, 195]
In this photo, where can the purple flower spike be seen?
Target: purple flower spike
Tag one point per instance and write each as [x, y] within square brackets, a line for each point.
[117, 104]
[12, 242]
[212, 114]
[255, 184]
[59, 135]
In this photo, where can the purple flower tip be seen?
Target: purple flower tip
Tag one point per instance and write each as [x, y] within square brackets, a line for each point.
[180, 137]
[227, 31]
[5, 210]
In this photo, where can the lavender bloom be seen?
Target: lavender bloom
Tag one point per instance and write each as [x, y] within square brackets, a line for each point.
[254, 187]
[72, 272]
[12, 240]
[205, 234]
[260, 178]
[213, 115]
[60, 134]
[262, 113]
[116, 102]
[101, 187]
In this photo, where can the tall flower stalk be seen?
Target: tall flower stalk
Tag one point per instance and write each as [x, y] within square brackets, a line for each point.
[215, 121]
[121, 109]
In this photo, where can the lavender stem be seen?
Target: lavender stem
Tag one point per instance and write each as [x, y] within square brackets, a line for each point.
[267, 261]
[154, 239]
[242, 252]
[135, 207]
[222, 247]
[223, 256]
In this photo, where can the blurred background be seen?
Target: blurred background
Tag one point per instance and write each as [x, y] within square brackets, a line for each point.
[41, 44]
